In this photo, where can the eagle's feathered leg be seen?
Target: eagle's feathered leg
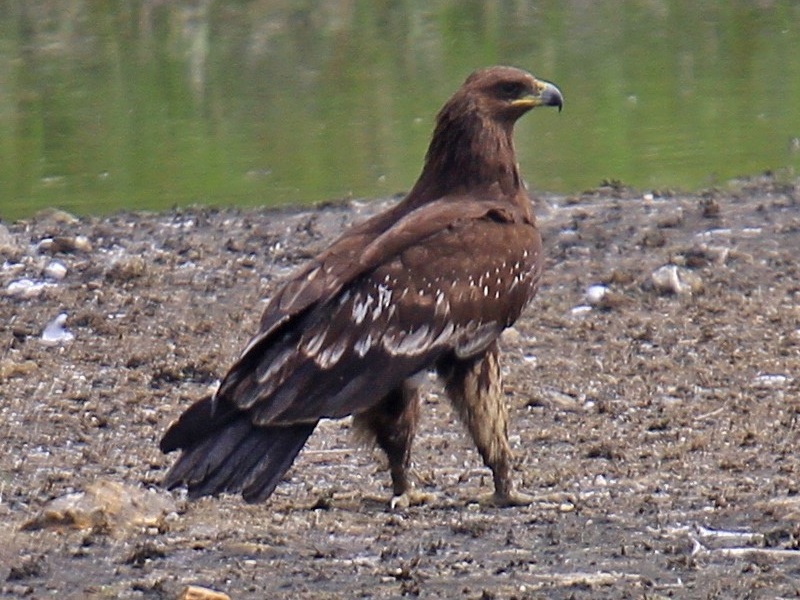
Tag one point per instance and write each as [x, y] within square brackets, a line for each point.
[392, 424]
[475, 387]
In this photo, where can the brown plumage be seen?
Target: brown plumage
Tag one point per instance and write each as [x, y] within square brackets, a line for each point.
[428, 284]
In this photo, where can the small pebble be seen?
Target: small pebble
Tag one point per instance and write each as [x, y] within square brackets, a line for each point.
[665, 280]
[25, 288]
[65, 245]
[579, 310]
[510, 336]
[670, 279]
[595, 294]
[127, 268]
[55, 270]
[771, 380]
[672, 217]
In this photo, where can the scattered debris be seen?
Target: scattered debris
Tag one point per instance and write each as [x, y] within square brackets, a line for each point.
[108, 506]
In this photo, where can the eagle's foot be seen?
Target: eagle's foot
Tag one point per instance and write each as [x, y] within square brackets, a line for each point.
[410, 497]
[505, 499]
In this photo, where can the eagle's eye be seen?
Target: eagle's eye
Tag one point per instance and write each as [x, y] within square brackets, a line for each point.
[510, 90]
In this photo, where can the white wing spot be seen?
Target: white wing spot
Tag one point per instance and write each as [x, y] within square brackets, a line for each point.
[413, 342]
[276, 365]
[446, 333]
[331, 355]
[361, 307]
[363, 345]
[384, 300]
[312, 346]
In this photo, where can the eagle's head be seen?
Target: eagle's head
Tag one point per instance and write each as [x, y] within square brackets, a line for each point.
[472, 142]
[506, 93]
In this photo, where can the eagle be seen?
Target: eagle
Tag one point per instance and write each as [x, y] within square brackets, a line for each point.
[429, 284]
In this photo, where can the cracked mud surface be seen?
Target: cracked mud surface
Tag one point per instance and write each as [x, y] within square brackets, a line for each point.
[656, 422]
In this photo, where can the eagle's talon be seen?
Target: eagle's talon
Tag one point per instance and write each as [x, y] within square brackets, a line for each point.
[410, 498]
[507, 500]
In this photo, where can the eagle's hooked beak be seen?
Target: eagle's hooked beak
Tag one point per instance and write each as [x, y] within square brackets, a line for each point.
[545, 94]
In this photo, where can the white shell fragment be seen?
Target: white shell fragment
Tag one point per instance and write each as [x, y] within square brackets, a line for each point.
[55, 333]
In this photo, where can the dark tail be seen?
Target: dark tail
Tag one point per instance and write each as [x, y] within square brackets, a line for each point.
[224, 452]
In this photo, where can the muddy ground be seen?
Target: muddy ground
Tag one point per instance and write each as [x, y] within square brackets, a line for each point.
[657, 421]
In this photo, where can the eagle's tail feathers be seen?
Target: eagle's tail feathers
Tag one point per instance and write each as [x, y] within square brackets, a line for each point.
[239, 458]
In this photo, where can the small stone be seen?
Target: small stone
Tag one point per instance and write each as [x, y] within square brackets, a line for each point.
[671, 217]
[556, 399]
[25, 288]
[510, 336]
[8, 243]
[600, 297]
[195, 592]
[653, 238]
[595, 294]
[126, 269]
[710, 208]
[670, 279]
[82, 244]
[55, 270]
[771, 380]
[665, 280]
[580, 309]
[10, 368]
[65, 244]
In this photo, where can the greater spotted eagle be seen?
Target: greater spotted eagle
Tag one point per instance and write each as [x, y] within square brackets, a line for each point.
[428, 284]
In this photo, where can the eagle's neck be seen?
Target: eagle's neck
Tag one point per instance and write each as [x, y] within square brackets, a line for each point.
[467, 152]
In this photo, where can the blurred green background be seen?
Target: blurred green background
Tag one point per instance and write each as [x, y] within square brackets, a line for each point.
[156, 103]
